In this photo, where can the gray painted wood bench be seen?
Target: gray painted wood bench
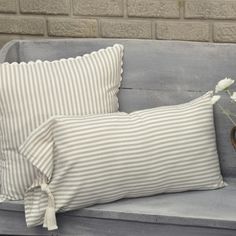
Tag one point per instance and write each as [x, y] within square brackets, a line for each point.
[155, 73]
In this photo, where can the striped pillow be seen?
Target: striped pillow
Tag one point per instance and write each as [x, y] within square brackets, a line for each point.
[102, 158]
[30, 93]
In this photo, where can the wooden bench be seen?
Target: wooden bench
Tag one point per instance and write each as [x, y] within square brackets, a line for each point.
[155, 73]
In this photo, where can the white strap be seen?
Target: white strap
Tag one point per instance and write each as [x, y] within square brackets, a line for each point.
[50, 221]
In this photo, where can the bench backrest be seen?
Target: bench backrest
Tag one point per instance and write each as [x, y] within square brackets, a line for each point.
[155, 73]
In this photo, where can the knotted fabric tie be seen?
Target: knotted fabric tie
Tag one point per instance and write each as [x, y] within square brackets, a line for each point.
[50, 221]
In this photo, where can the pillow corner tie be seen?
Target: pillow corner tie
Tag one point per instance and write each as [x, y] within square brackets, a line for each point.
[50, 221]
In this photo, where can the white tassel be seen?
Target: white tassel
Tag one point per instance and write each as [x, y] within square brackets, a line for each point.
[2, 198]
[50, 221]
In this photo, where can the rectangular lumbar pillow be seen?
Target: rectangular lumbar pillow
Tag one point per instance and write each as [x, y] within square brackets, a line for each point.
[101, 158]
[32, 92]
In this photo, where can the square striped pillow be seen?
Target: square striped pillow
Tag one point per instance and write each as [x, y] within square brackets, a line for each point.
[101, 158]
[32, 92]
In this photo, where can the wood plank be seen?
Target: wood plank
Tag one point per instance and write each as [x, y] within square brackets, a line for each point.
[103, 227]
[13, 223]
[149, 64]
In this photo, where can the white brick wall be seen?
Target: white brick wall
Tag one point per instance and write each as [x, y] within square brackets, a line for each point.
[195, 20]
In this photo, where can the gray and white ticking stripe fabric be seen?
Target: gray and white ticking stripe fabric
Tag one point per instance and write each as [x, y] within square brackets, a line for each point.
[30, 93]
[101, 158]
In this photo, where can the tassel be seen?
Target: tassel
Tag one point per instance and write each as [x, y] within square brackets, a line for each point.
[2, 198]
[50, 221]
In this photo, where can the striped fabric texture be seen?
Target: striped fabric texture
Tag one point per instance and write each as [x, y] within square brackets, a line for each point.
[93, 159]
[32, 92]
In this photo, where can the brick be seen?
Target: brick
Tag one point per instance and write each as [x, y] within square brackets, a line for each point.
[225, 32]
[125, 29]
[210, 9]
[45, 6]
[72, 27]
[154, 8]
[19, 25]
[194, 31]
[8, 6]
[98, 8]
